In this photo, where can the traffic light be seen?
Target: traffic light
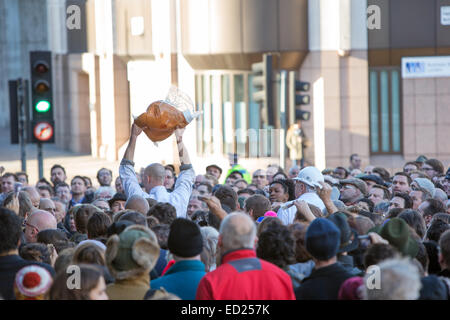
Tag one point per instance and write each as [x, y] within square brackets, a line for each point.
[42, 125]
[296, 100]
[262, 80]
[302, 115]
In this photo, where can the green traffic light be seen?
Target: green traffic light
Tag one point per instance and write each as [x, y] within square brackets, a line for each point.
[42, 106]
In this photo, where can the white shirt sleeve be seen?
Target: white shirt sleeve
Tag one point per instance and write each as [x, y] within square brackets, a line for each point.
[287, 216]
[130, 182]
[179, 197]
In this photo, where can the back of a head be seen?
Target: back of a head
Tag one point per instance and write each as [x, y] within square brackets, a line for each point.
[156, 171]
[415, 220]
[440, 195]
[43, 220]
[135, 217]
[10, 230]
[82, 215]
[361, 224]
[89, 253]
[259, 204]
[53, 236]
[25, 204]
[399, 280]
[237, 231]
[379, 252]
[162, 233]
[265, 223]
[38, 252]
[89, 278]
[137, 203]
[444, 245]
[434, 206]
[164, 212]
[64, 259]
[276, 244]
[227, 196]
[97, 225]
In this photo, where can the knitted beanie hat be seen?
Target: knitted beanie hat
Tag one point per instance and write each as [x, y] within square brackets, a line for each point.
[32, 282]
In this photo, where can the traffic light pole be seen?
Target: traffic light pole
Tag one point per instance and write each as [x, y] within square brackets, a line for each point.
[21, 94]
[40, 160]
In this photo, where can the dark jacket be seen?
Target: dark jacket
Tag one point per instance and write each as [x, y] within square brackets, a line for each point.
[444, 273]
[160, 265]
[9, 265]
[323, 283]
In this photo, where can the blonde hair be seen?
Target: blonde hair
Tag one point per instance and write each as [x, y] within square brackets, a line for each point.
[12, 202]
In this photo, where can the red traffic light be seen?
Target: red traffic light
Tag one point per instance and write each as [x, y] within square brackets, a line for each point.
[41, 67]
[41, 86]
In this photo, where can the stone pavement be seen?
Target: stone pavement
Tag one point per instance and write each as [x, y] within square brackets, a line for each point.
[75, 164]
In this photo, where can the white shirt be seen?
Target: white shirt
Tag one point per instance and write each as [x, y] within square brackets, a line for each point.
[179, 197]
[287, 216]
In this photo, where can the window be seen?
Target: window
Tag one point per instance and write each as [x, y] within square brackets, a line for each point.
[385, 111]
[231, 120]
[240, 114]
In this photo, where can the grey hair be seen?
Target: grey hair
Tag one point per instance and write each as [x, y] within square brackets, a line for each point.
[399, 280]
[210, 238]
[440, 195]
[102, 189]
[237, 231]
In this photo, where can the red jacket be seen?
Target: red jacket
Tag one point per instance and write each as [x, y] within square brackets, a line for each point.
[242, 276]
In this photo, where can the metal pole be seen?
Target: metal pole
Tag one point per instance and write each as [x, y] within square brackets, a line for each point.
[283, 101]
[40, 160]
[21, 102]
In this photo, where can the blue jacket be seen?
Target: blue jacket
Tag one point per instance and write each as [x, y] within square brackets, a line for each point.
[181, 279]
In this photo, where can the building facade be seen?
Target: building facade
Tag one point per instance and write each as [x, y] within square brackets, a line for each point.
[127, 53]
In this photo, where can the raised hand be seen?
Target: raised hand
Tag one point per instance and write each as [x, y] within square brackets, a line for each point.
[135, 130]
[324, 193]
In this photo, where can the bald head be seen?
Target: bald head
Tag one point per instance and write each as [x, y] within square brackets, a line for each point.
[156, 171]
[47, 205]
[137, 203]
[237, 231]
[38, 221]
[34, 195]
[154, 176]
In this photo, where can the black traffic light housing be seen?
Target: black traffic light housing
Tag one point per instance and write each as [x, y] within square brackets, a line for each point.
[42, 125]
[297, 98]
[262, 80]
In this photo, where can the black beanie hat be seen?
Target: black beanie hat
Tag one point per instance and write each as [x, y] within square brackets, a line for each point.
[185, 239]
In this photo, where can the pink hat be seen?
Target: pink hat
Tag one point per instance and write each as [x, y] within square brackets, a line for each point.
[270, 214]
[351, 289]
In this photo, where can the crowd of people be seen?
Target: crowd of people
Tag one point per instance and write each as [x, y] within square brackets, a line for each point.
[165, 233]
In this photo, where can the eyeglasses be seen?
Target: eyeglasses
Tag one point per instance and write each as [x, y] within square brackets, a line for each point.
[262, 177]
[427, 169]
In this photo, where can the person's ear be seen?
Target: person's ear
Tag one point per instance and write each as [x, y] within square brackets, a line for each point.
[250, 213]
[441, 261]
[219, 241]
